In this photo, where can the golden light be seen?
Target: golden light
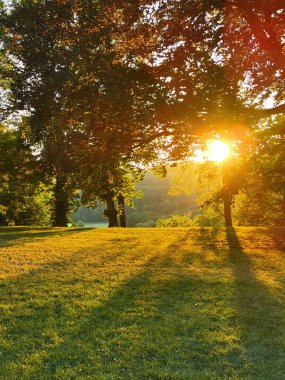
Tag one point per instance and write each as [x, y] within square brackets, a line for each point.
[218, 151]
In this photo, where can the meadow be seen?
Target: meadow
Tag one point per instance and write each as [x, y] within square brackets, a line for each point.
[192, 303]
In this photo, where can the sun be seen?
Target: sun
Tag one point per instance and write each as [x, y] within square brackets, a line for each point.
[218, 151]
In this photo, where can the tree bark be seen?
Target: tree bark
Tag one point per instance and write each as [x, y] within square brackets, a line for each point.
[61, 204]
[122, 214]
[227, 196]
[228, 208]
[111, 210]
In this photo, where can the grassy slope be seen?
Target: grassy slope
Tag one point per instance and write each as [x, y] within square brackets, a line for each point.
[142, 304]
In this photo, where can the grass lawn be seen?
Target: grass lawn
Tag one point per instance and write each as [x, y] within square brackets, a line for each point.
[142, 303]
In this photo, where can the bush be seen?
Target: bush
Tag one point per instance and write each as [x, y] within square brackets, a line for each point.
[210, 217]
[177, 221]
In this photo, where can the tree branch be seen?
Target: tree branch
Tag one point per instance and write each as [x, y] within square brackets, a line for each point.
[271, 46]
[266, 112]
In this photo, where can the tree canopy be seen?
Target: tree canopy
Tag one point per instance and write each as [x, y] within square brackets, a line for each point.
[109, 89]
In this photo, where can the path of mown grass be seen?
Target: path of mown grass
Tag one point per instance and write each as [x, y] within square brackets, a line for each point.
[142, 303]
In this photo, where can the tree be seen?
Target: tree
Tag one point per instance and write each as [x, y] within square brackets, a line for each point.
[212, 183]
[86, 97]
[219, 61]
[215, 52]
[37, 71]
[108, 183]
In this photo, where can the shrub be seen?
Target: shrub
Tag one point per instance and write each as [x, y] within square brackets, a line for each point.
[177, 221]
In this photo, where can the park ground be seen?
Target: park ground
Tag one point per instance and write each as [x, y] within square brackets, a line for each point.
[196, 303]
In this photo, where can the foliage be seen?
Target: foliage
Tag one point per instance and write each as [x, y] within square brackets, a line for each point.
[257, 204]
[88, 112]
[268, 161]
[203, 180]
[210, 216]
[115, 178]
[153, 202]
[156, 198]
[24, 198]
[177, 221]
[110, 87]
[28, 205]
[257, 209]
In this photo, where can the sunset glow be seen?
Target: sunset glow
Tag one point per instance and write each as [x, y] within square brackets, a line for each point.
[218, 151]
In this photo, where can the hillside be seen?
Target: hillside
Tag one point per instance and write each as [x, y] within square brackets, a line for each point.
[142, 303]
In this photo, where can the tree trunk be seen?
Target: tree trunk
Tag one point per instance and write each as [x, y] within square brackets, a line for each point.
[228, 208]
[227, 196]
[122, 214]
[111, 210]
[61, 206]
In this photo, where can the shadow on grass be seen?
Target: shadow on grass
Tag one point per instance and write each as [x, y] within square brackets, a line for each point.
[278, 236]
[260, 317]
[149, 329]
[207, 236]
[19, 235]
[158, 323]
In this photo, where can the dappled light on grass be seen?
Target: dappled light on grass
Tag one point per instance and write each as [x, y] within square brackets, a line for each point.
[143, 303]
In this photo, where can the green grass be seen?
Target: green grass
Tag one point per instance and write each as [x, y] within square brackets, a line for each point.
[142, 303]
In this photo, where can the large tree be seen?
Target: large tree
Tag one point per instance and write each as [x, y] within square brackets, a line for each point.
[87, 97]
[222, 65]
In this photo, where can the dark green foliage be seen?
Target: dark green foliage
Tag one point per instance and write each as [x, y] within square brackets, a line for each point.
[24, 198]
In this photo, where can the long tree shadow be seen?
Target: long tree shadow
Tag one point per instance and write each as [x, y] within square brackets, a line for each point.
[158, 323]
[260, 317]
[19, 235]
[38, 307]
[154, 320]
[146, 329]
